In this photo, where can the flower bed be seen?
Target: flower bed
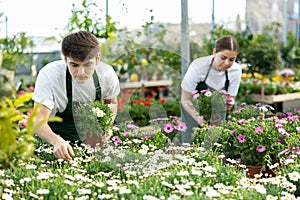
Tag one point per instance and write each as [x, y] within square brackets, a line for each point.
[136, 161]
[116, 173]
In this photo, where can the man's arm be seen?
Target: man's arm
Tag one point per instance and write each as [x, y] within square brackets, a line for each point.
[114, 103]
[62, 149]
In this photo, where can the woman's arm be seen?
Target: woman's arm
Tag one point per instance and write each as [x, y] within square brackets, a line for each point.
[186, 101]
[62, 149]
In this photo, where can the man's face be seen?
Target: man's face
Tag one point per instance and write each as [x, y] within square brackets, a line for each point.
[81, 71]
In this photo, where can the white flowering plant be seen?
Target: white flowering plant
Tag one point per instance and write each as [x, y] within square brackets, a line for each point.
[94, 117]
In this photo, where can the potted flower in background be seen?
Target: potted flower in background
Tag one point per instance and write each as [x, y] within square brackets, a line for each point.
[94, 122]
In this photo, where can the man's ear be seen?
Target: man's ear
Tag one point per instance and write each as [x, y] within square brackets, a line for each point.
[214, 51]
[98, 57]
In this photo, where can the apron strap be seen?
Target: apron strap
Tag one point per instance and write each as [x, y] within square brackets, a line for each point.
[69, 85]
[227, 81]
[97, 86]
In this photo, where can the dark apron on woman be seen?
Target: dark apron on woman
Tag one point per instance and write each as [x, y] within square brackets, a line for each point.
[190, 122]
[67, 128]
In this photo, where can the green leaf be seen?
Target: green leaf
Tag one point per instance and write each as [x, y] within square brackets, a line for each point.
[22, 99]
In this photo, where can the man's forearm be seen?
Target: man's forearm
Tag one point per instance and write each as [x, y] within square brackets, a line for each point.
[46, 134]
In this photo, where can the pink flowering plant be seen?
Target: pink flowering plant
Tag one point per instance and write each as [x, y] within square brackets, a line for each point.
[211, 104]
[170, 126]
[256, 140]
[128, 135]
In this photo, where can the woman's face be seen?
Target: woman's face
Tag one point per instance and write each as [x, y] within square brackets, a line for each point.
[81, 71]
[224, 59]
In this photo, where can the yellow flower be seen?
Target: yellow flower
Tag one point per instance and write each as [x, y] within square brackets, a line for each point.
[244, 76]
[266, 80]
[258, 76]
[144, 61]
[134, 77]
[120, 61]
[277, 78]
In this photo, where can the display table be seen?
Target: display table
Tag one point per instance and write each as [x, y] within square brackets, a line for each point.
[142, 87]
[135, 85]
[282, 102]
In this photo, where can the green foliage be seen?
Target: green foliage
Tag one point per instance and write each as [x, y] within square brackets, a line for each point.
[263, 51]
[16, 143]
[254, 134]
[287, 52]
[7, 87]
[13, 50]
[146, 52]
[125, 172]
[87, 18]
[245, 91]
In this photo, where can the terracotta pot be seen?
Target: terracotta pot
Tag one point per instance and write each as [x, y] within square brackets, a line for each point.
[269, 172]
[94, 140]
[251, 171]
[215, 122]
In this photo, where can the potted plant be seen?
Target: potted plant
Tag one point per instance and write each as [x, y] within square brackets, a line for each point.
[94, 122]
[211, 105]
[257, 140]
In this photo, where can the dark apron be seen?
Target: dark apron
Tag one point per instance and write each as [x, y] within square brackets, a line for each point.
[186, 118]
[67, 128]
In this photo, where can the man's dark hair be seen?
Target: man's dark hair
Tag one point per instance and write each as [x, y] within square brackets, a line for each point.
[80, 46]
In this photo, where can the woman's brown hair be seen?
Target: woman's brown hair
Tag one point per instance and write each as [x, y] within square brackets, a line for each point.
[227, 43]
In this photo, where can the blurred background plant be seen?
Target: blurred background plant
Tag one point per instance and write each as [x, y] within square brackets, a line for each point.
[13, 49]
[16, 131]
[141, 110]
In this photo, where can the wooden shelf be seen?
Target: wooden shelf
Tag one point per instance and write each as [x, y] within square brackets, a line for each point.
[133, 85]
[270, 99]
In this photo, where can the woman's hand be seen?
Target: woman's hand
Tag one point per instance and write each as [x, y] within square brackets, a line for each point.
[229, 102]
[200, 120]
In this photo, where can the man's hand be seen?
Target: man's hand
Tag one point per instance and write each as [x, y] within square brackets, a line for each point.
[63, 150]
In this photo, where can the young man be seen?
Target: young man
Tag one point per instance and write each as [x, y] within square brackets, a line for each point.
[79, 77]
